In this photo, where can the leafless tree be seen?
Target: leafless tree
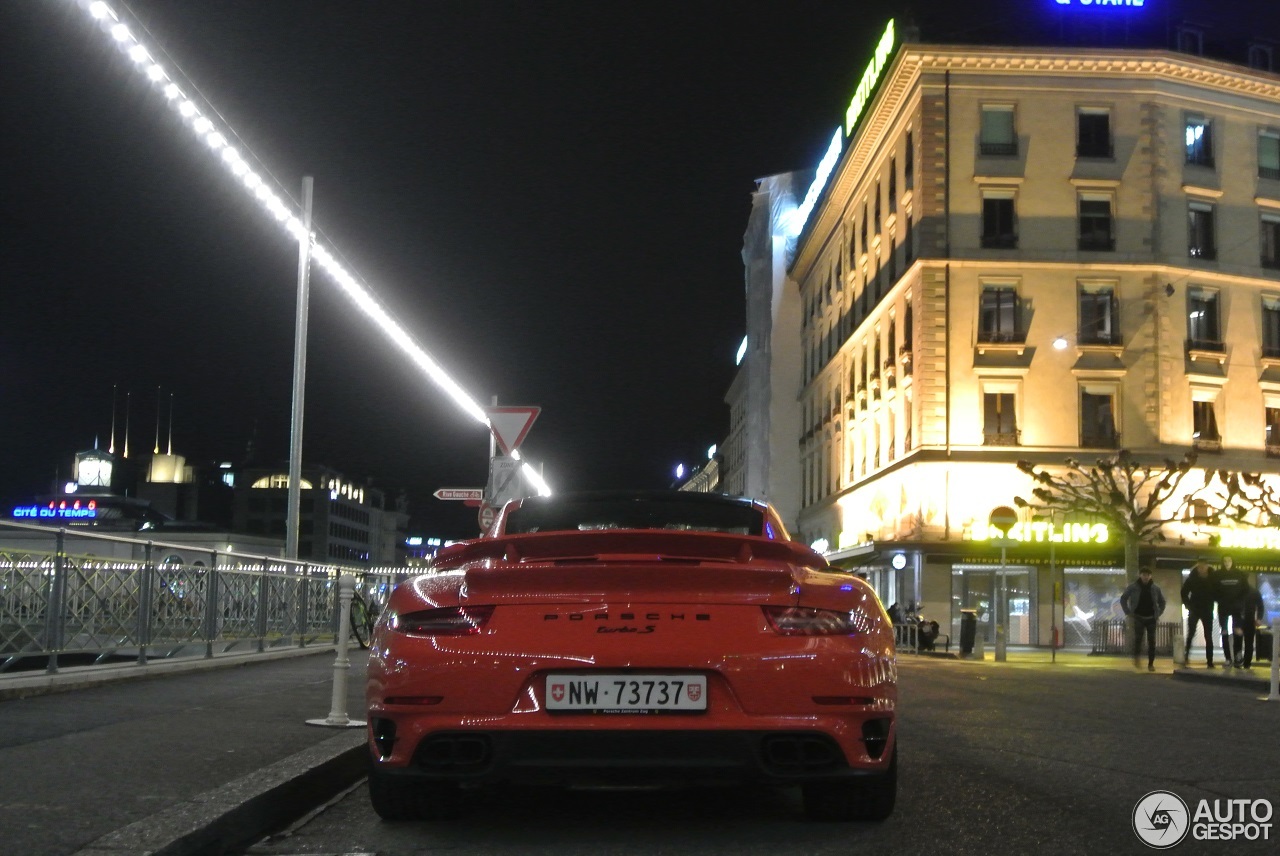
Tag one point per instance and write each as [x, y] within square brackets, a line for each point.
[1121, 491]
[1245, 499]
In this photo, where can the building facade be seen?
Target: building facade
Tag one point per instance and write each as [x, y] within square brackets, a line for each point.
[1034, 254]
[340, 521]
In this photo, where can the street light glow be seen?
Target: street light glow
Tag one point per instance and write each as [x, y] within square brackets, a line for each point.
[209, 134]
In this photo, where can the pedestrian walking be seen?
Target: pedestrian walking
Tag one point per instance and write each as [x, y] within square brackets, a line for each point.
[1197, 597]
[1143, 603]
[1230, 586]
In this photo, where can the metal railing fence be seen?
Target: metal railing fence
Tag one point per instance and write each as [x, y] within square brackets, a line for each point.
[1116, 637]
[92, 598]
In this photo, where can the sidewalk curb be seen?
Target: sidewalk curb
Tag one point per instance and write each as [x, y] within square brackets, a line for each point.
[243, 811]
[18, 686]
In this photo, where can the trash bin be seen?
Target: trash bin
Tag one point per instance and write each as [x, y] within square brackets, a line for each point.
[968, 630]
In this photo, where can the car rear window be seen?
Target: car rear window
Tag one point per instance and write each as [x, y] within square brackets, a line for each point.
[639, 513]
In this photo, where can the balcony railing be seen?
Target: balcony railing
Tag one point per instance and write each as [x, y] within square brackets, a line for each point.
[1002, 438]
[1207, 252]
[1002, 337]
[988, 149]
[1110, 339]
[1096, 243]
[1095, 150]
[1000, 242]
[1104, 440]
[1269, 172]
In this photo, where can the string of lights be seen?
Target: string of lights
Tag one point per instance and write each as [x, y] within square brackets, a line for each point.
[216, 136]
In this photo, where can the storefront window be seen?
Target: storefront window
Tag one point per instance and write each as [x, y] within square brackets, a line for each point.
[1090, 596]
[1269, 585]
[980, 587]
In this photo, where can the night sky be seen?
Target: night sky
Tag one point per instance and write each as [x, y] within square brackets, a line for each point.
[550, 196]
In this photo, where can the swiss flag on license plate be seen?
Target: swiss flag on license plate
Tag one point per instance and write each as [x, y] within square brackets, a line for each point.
[557, 692]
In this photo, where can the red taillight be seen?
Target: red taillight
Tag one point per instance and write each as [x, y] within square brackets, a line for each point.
[445, 621]
[808, 621]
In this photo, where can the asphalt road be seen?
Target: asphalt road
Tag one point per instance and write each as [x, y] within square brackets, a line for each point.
[996, 759]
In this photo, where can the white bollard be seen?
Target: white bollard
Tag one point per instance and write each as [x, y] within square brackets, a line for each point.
[1179, 648]
[338, 706]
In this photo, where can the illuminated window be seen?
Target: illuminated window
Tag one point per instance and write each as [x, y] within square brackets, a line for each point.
[1095, 222]
[1099, 324]
[1271, 327]
[997, 135]
[1201, 243]
[998, 315]
[908, 241]
[1204, 426]
[1093, 133]
[893, 185]
[1272, 418]
[909, 162]
[1269, 241]
[1203, 332]
[1199, 141]
[1097, 417]
[999, 421]
[998, 220]
[1269, 153]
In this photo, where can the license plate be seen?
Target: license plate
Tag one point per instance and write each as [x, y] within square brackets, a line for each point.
[627, 693]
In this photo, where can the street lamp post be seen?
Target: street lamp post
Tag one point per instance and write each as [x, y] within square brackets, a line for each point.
[299, 375]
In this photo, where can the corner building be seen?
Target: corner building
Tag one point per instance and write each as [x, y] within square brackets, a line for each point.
[1034, 253]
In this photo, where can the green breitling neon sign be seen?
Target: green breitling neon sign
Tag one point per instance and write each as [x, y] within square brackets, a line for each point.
[1039, 532]
[870, 78]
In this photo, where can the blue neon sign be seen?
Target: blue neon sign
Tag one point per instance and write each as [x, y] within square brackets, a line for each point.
[76, 510]
[1132, 4]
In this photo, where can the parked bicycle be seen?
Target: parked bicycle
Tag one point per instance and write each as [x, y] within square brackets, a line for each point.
[362, 615]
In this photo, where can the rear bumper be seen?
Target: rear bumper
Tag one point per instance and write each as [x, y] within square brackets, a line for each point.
[657, 757]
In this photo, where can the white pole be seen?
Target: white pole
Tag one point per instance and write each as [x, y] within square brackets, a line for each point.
[338, 705]
[1053, 607]
[294, 510]
[1002, 607]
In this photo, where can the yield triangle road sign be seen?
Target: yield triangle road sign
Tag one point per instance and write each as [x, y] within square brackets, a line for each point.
[510, 425]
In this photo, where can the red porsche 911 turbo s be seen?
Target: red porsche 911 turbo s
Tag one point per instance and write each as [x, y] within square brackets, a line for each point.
[644, 639]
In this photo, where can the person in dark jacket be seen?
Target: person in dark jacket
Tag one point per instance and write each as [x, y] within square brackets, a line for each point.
[1230, 586]
[1197, 597]
[1143, 602]
[1254, 614]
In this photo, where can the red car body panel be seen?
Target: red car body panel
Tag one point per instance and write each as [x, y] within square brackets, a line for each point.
[632, 602]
